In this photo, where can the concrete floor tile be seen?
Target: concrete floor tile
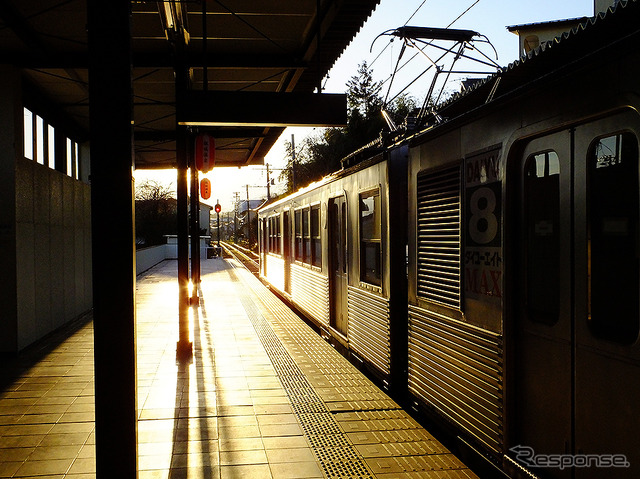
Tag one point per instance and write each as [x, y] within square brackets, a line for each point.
[13, 454]
[45, 467]
[286, 455]
[195, 459]
[241, 444]
[44, 453]
[156, 474]
[146, 463]
[21, 441]
[231, 458]
[83, 466]
[284, 442]
[279, 430]
[253, 471]
[299, 470]
[209, 472]
[268, 419]
[233, 432]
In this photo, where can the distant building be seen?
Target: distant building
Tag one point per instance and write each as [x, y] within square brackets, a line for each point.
[532, 35]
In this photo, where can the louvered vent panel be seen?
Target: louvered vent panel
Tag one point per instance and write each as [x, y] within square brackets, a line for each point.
[439, 236]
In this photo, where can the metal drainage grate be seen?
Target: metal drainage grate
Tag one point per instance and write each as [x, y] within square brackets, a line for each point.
[336, 455]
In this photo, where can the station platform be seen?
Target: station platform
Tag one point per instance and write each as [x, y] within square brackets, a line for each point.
[262, 397]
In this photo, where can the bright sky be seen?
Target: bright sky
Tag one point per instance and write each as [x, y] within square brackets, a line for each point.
[487, 17]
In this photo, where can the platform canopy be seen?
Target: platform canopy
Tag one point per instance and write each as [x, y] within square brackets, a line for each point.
[244, 47]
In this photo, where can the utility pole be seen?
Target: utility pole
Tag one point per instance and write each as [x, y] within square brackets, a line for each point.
[218, 217]
[293, 161]
[248, 220]
[236, 199]
[268, 184]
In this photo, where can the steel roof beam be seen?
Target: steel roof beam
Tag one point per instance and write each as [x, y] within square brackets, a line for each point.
[244, 108]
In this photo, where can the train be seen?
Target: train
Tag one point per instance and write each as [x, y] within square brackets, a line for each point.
[485, 267]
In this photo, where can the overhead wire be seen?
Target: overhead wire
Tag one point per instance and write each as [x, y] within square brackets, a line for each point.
[408, 20]
[390, 77]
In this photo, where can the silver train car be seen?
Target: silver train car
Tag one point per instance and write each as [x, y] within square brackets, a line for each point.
[520, 333]
[332, 251]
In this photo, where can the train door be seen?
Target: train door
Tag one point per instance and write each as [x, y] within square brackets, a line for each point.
[607, 307]
[265, 242]
[338, 268]
[543, 375]
[577, 324]
[286, 250]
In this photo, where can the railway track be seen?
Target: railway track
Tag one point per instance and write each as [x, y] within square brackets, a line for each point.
[247, 257]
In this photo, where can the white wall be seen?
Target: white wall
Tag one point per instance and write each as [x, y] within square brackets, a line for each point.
[149, 257]
[53, 250]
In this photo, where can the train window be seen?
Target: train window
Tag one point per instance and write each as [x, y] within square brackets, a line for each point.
[613, 272]
[542, 224]
[439, 236]
[274, 234]
[305, 236]
[316, 246]
[298, 231]
[370, 238]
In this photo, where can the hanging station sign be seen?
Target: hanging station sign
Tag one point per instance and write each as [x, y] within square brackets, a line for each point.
[205, 188]
[205, 152]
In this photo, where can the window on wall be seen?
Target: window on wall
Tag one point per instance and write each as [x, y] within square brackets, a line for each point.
[542, 220]
[76, 159]
[28, 134]
[298, 231]
[613, 268]
[370, 238]
[40, 132]
[70, 160]
[316, 245]
[51, 147]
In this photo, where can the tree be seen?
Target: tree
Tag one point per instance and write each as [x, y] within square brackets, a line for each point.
[363, 94]
[155, 213]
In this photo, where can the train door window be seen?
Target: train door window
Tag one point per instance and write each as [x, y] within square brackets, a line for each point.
[613, 238]
[439, 236]
[298, 231]
[267, 222]
[316, 246]
[278, 235]
[370, 238]
[270, 233]
[305, 236]
[542, 238]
